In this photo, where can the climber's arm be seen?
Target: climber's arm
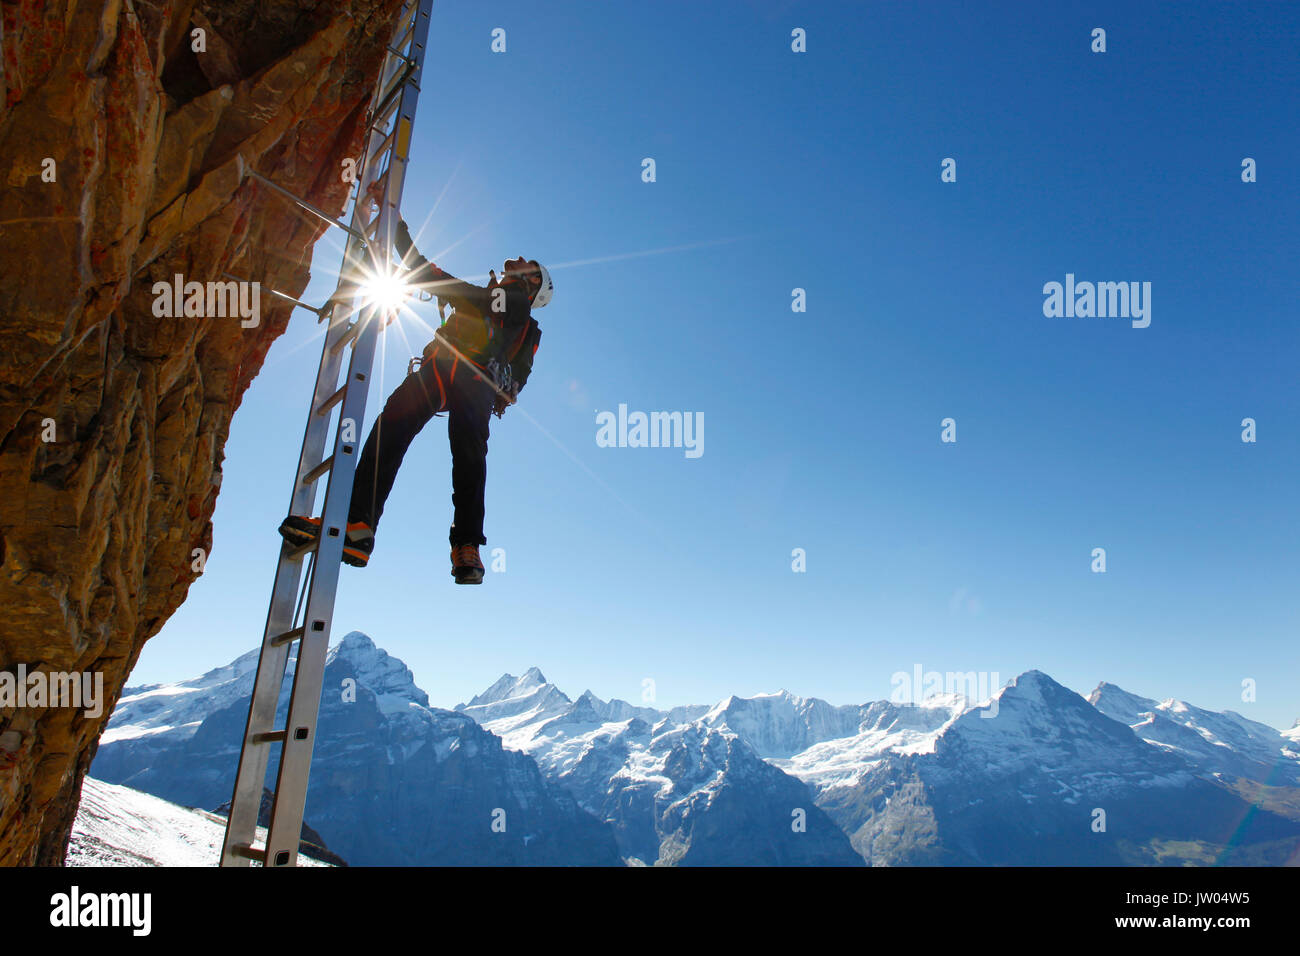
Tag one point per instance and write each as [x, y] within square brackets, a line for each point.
[426, 276]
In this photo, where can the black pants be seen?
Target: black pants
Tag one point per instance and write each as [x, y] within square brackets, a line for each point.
[440, 384]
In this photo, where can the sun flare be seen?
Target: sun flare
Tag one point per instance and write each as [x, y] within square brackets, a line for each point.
[385, 289]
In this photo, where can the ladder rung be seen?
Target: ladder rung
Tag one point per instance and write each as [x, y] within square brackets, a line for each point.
[380, 122]
[297, 552]
[383, 147]
[388, 129]
[381, 162]
[368, 227]
[380, 178]
[333, 400]
[403, 33]
[319, 470]
[401, 42]
[400, 55]
[412, 10]
[354, 329]
[407, 19]
[392, 92]
[287, 637]
[251, 853]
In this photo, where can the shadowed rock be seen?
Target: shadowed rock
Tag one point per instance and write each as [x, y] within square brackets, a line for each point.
[98, 527]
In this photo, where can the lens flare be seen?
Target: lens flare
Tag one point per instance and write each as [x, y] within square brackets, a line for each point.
[384, 289]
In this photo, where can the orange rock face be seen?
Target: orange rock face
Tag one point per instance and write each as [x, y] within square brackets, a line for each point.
[120, 151]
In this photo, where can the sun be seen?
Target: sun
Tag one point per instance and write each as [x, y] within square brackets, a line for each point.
[384, 289]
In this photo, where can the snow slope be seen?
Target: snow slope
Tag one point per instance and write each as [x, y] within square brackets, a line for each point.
[1219, 743]
[118, 826]
[886, 728]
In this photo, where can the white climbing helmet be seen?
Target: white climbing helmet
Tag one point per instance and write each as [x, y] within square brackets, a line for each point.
[546, 289]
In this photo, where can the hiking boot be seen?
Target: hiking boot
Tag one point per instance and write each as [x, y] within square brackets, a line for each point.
[465, 564]
[360, 540]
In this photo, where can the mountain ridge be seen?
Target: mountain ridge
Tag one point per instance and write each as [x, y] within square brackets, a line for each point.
[780, 779]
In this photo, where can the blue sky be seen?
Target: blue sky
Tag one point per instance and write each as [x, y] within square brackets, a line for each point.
[821, 170]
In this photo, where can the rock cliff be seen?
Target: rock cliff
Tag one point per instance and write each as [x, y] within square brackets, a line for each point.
[120, 145]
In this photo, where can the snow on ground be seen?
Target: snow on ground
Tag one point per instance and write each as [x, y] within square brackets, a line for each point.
[118, 826]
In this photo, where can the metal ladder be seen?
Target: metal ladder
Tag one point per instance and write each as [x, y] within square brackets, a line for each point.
[370, 241]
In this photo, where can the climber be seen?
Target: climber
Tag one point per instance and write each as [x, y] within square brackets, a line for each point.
[478, 361]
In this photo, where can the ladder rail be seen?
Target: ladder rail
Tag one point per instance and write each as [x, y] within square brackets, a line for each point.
[254, 756]
[289, 802]
[296, 738]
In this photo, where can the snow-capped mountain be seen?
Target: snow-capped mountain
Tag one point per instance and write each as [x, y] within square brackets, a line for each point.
[781, 724]
[1015, 779]
[118, 826]
[180, 707]
[1037, 774]
[1042, 777]
[516, 701]
[676, 790]
[884, 729]
[394, 781]
[1044, 759]
[1225, 743]
[525, 702]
